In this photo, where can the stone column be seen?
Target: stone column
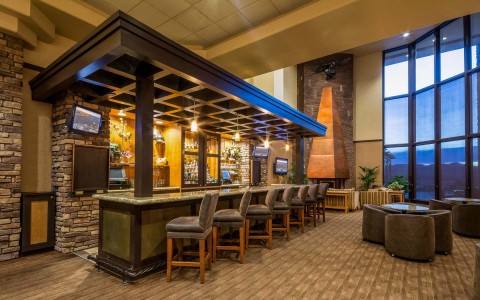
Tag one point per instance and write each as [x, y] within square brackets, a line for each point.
[76, 224]
[11, 95]
[476, 273]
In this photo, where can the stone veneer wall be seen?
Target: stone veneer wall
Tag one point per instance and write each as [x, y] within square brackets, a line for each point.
[76, 225]
[11, 95]
[310, 86]
[244, 163]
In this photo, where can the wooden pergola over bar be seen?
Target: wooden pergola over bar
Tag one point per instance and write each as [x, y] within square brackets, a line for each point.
[124, 64]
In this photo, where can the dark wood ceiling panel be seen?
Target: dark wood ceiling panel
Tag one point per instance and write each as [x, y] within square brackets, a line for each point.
[206, 95]
[110, 79]
[113, 105]
[131, 65]
[175, 82]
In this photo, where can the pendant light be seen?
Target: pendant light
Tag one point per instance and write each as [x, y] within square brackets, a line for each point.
[237, 133]
[287, 146]
[266, 143]
[194, 125]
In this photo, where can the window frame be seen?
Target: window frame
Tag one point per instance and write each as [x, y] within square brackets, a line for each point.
[436, 86]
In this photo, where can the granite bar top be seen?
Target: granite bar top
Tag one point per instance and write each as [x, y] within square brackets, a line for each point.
[157, 189]
[129, 198]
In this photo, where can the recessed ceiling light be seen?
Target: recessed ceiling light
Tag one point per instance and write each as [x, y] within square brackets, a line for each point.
[122, 113]
[158, 122]
[444, 38]
[406, 34]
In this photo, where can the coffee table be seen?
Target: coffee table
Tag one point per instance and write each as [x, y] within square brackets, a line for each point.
[405, 208]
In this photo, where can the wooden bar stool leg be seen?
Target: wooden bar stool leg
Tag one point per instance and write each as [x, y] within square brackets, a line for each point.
[288, 226]
[302, 219]
[270, 225]
[209, 251]
[215, 241]
[242, 243]
[247, 232]
[323, 210]
[180, 248]
[202, 261]
[169, 259]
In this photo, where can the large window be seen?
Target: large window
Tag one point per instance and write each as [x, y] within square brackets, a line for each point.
[424, 62]
[425, 116]
[475, 39]
[396, 121]
[475, 169]
[425, 170]
[396, 73]
[432, 126]
[453, 108]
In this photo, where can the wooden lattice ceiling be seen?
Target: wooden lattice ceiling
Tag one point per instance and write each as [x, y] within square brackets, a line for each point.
[106, 65]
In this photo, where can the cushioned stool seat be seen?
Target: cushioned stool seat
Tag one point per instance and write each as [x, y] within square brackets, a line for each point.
[322, 195]
[280, 205]
[199, 228]
[311, 204]
[283, 208]
[261, 212]
[298, 204]
[231, 218]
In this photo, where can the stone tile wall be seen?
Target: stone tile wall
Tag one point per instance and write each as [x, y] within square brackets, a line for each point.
[11, 95]
[76, 225]
[310, 85]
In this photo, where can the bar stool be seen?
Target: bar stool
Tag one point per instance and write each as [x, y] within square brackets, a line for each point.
[283, 208]
[298, 204]
[311, 203]
[231, 218]
[195, 227]
[321, 198]
[261, 212]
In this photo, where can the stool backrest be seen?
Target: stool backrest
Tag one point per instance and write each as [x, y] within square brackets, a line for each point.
[246, 198]
[313, 191]
[302, 193]
[207, 209]
[271, 197]
[288, 194]
[322, 190]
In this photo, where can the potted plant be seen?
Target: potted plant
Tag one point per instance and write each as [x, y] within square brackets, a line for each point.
[395, 186]
[401, 181]
[368, 176]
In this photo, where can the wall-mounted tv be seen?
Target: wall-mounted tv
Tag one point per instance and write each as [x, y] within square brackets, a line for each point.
[260, 152]
[280, 166]
[84, 120]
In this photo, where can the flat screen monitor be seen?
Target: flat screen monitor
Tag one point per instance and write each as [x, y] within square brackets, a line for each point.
[117, 174]
[85, 120]
[281, 166]
[226, 175]
[260, 152]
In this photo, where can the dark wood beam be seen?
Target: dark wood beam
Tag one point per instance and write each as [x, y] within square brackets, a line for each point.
[299, 165]
[144, 137]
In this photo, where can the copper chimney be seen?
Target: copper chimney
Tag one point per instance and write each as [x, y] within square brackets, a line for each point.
[328, 157]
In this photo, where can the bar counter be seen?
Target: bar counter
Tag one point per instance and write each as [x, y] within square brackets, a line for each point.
[132, 235]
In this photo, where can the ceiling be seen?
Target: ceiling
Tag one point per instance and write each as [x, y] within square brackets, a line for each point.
[245, 37]
[199, 22]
